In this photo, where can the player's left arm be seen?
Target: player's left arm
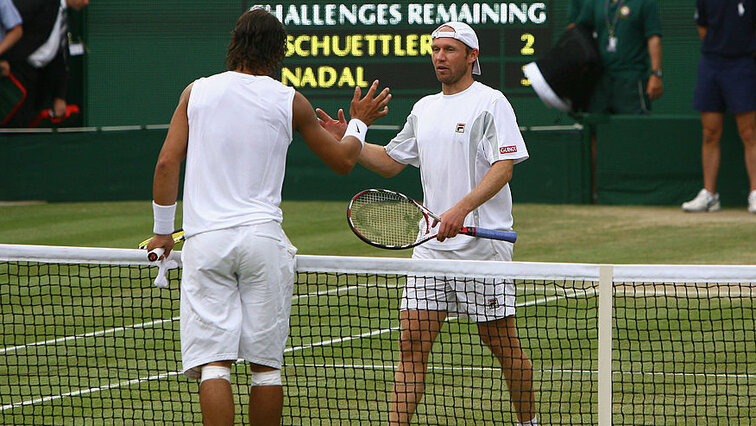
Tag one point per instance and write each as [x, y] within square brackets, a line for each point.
[503, 148]
[11, 37]
[652, 30]
[493, 181]
[655, 87]
[165, 183]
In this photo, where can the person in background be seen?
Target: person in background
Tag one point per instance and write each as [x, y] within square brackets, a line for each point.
[628, 34]
[726, 82]
[11, 31]
[466, 141]
[40, 58]
[234, 130]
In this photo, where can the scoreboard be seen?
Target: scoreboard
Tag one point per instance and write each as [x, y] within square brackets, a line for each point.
[333, 47]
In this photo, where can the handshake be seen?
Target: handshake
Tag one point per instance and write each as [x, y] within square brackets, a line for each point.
[366, 109]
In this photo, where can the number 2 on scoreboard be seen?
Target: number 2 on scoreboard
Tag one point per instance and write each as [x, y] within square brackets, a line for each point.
[529, 40]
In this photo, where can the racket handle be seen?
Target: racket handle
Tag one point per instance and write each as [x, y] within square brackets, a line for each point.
[155, 254]
[510, 236]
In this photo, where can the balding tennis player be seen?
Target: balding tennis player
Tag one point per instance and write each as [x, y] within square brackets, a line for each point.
[234, 130]
[465, 140]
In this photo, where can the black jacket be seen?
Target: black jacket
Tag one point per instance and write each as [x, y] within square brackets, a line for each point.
[38, 21]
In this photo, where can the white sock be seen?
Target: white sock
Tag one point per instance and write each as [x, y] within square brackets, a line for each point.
[532, 422]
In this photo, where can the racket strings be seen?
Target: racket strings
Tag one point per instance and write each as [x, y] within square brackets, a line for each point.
[387, 219]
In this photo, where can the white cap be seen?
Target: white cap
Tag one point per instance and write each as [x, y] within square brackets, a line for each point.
[463, 33]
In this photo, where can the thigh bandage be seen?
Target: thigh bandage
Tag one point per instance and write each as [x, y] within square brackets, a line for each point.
[267, 378]
[210, 372]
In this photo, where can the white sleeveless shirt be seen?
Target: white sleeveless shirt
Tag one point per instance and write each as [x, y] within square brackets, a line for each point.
[240, 128]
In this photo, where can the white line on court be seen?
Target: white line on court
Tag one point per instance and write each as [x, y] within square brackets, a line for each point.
[565, 295]
[548, 370]
[323, 343]
[85, 335]
[141, 379]
[340, 340]
[90, 390]
[141, 325]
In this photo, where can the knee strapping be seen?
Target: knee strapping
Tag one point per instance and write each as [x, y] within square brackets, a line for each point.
[266, 378]
[210, 372]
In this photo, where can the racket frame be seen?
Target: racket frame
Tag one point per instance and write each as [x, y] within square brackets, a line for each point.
[427, 216]
[495, 234]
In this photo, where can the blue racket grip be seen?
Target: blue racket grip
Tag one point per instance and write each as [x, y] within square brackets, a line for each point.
[493, 234]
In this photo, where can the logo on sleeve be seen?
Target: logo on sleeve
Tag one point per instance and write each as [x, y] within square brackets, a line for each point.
[508, 149]
[460, 128]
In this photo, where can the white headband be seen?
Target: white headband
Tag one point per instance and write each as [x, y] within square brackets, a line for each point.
[463, 33]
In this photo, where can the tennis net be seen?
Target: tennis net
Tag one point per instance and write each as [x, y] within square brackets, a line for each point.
[88, 338]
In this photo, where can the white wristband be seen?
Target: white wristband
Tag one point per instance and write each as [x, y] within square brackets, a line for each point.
[358, 129]
[164, 217]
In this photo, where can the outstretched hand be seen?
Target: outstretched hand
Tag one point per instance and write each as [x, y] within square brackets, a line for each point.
[333, 126]
[370, 107]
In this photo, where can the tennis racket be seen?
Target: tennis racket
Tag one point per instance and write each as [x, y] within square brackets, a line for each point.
[392, 220]
[154, 254]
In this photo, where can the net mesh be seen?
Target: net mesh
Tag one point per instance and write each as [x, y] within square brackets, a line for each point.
[93, 340]
[684, 353]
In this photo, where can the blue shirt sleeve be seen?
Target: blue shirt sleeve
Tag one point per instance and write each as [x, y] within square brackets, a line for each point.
[9, 16]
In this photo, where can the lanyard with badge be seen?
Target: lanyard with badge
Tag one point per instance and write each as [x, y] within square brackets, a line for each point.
[611, 44]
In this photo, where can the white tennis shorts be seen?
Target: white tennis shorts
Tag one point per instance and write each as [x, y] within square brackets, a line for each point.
[236, 292]
[478, 299]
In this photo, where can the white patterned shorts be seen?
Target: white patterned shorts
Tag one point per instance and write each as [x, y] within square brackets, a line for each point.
[481, 300]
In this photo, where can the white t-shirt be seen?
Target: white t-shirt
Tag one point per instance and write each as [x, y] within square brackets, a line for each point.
[454, 140]
[240, 128]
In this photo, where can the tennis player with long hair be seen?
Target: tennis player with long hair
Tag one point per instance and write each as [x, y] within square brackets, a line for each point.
[465, 140]
[234, 129]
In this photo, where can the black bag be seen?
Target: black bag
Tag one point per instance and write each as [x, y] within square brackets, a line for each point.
[565, 76]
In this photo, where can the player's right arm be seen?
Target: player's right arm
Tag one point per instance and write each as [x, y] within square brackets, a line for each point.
[165, 184]
[374, 157]
[339, 155]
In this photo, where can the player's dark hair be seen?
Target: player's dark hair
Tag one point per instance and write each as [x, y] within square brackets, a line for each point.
[258, 43]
